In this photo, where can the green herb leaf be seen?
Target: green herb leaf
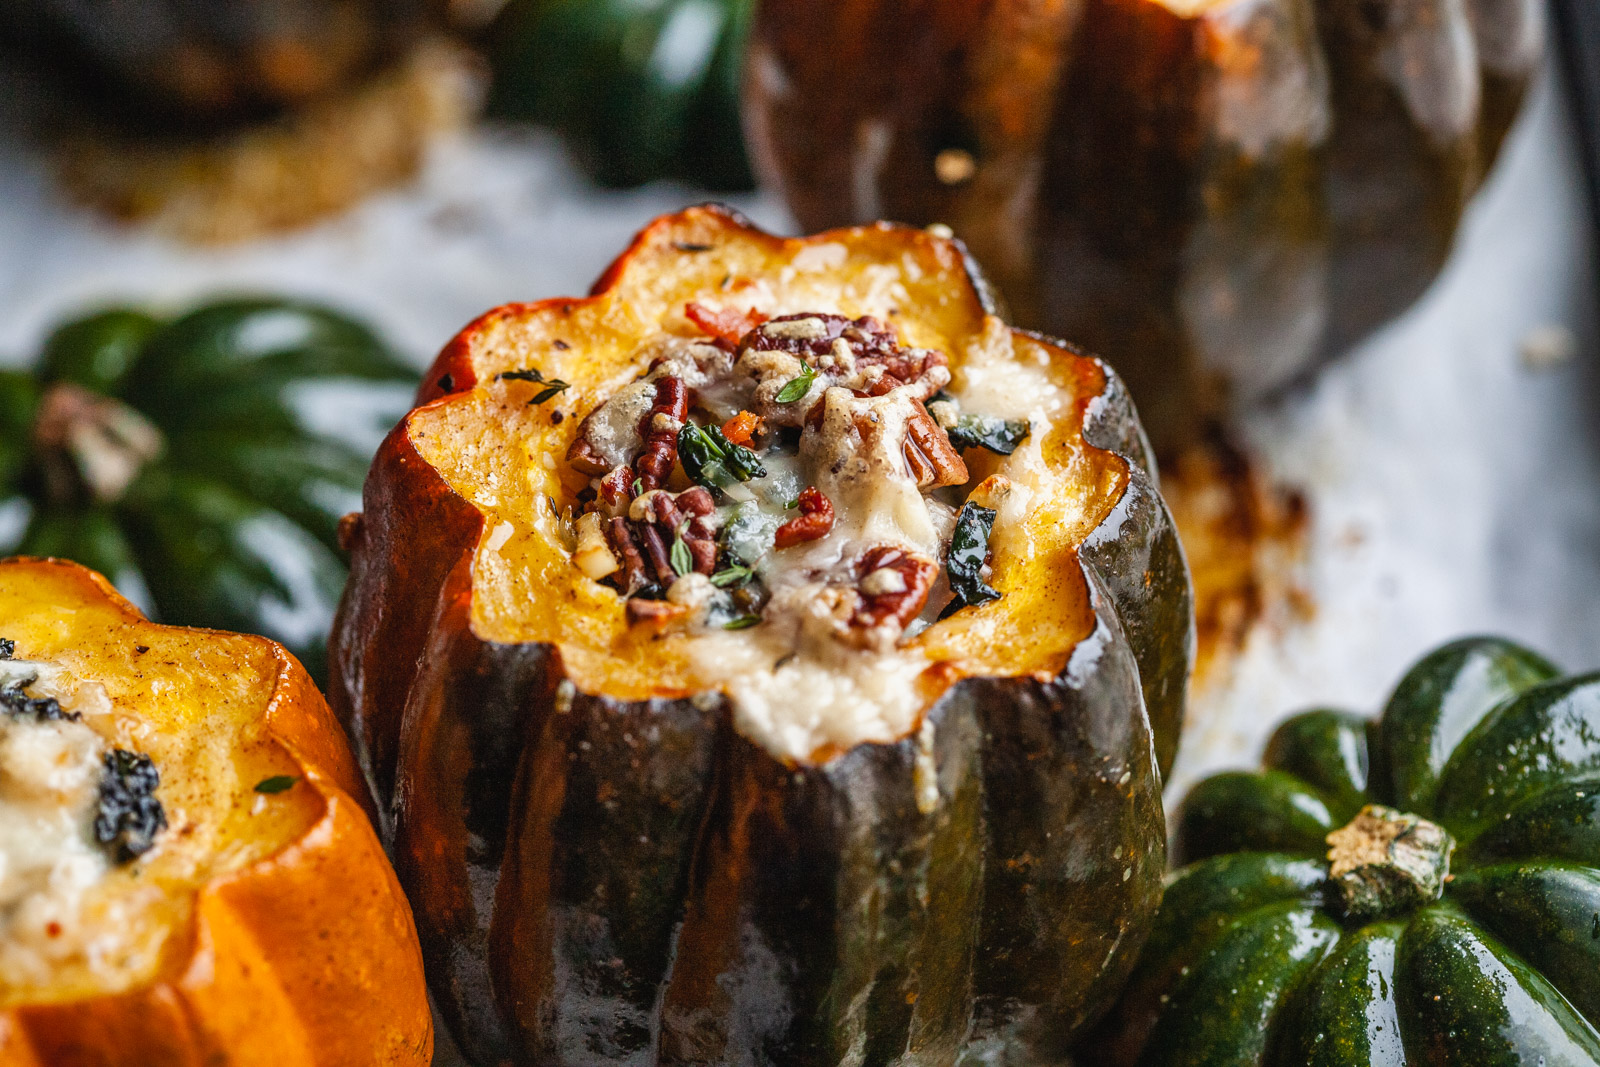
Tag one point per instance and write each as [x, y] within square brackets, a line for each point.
[1000, 436]
[734, 574]
[638, 487]
[791, 505]
[276, 784]
[969, 548]
[553, 385]
[682, 558]
[798, 386]
[743, 622]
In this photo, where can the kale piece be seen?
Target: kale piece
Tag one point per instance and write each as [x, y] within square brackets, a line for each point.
[129, 816]
[1000, 436]
[8, 648]
[711, 460]
[19, 705]
[969, 548]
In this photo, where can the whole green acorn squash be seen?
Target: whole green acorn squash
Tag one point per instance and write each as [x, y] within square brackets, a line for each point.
[1424, 889]
[1217, 195]
[188, 460]
[640, 90]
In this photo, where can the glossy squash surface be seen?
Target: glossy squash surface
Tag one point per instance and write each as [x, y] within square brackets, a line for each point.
[640, 92]
[246, 913]
[202, 462]
[1423, 889]
[1214, 194]
[606, 868]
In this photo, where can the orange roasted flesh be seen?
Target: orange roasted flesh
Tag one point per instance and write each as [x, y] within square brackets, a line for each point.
[263, 924]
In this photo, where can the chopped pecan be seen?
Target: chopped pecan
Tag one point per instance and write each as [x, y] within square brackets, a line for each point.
[894, 587]
[814, 521]
[930, 457]
[617, 486]
[655, 550]
[661, 437]
[728, 326]
[659, 612]
[626, 548]
[585, 457]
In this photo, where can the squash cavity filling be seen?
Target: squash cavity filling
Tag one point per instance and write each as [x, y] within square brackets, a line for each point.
[792, 494]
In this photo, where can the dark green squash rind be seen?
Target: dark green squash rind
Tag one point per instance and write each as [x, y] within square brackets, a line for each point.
[1548, 735]
[1267, 811]
[1328, 751]
[1464, 999]
[1438, 701]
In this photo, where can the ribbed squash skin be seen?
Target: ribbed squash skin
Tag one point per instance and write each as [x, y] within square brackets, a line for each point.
[233, 521]
[1247, 964]
[1216, 197]
[306, 957]
[196, 62]
[640, 92]
[604, 880]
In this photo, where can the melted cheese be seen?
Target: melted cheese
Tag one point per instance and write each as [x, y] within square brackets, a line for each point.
[74, 924]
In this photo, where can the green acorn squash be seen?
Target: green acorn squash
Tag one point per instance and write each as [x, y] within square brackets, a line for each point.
[197, 63]
[671, 829]
[1215, 194]
[640, 91]
[185, 458]
[1422, 889]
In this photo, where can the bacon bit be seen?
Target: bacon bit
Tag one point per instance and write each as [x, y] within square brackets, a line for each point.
[621, 539]
[930, 457]
[896, 605]
[660, 443]
[742, 427]
[814, 521]
[727, 326]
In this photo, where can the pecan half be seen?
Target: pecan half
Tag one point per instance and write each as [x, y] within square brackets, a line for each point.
[930, 457]
[894, 587]
[661, 435]
[814, 521]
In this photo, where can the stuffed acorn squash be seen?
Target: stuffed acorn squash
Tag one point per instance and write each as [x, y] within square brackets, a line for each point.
[1215, 194]
[1424, 889]
[186, 877]
[754, 660]
[187, 459]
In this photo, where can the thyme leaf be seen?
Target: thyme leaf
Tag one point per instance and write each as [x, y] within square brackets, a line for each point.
[682, 559]
[798, 386]
[743, 622]
[276, 784]
[553, 386]
[732, 575]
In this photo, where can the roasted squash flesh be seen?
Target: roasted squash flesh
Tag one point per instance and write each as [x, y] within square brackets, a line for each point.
[506, 454]
[185, 875]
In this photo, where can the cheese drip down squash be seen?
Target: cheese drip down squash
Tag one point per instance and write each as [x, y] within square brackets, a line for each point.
[186, 875]
[770, 658]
